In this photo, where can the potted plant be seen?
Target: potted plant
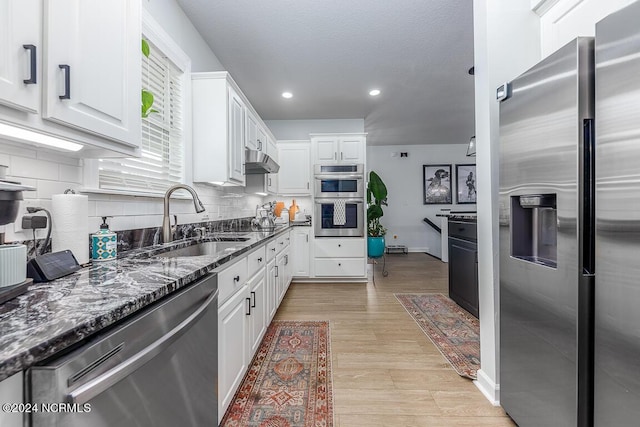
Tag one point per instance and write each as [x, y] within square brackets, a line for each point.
[376, 198]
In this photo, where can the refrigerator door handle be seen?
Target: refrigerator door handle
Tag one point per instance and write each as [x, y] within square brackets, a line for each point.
[589, 193]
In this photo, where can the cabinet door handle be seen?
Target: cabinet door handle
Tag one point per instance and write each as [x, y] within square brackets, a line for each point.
[286, 260]
[341, 155]
[335, 155]
[260, 259]
[259, 145]
[339, 265]
[269, 182]
[282, 243]
[307, 185]
[277, 275]
[32, 64]
[253, 297]
[236, 279]
[307, 236]
[339, 245]
[67, 81]
[273, 249]
[248, 312]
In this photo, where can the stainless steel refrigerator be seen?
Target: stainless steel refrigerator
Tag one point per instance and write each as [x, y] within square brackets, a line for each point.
[617, 296]
[570, 233]
[546, 240]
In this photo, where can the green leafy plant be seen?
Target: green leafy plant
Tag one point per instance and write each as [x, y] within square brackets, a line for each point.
[376, 198]
[147, 97]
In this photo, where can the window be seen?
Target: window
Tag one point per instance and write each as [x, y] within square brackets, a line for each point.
[161, 163]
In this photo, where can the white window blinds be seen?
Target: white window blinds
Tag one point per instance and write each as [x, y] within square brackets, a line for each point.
[162, 147]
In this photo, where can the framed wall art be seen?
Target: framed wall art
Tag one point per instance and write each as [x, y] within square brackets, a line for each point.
[466, 184]
[436, 180]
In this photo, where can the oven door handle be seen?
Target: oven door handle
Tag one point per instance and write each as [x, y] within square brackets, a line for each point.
[332, 201]
[93, 388]
[339, 177]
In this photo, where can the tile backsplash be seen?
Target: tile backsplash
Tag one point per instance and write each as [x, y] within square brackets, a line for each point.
[52, 173]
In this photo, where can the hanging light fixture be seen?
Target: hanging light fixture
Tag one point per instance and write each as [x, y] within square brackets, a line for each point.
[471, 149]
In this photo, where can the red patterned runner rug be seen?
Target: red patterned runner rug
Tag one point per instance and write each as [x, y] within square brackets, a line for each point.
[289, 381]
[454, 331]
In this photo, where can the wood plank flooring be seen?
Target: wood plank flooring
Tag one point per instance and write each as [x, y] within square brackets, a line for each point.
[386, 372]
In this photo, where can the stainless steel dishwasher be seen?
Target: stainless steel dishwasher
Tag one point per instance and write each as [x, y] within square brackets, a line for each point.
[157, 369]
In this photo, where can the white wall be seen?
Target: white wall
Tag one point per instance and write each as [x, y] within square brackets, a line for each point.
[52, 173]
[506, 43]
[566, 19]
[403, 178]
[300, 129]
[174, 21]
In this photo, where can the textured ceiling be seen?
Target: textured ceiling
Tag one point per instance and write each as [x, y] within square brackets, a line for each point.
[330, 53]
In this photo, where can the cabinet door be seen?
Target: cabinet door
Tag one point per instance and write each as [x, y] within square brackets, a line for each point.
[294, 176]
[252, 131]
[272, 289]
[463, 274]
[20, 53]
[232, 347]
[325, 150]
[92, 57]
[236, 137]
[258, 318]
[300, 261]
[262, 139]
[288, 270]
[351, 150]
[272, 148]
[272, 183]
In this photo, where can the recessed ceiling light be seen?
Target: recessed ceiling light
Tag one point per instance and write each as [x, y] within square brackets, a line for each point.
[287, 95]
[374, 92]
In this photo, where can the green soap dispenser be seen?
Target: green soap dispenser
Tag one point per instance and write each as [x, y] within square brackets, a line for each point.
[104, 243]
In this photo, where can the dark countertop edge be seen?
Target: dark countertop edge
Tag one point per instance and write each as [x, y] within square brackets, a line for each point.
[70, 337]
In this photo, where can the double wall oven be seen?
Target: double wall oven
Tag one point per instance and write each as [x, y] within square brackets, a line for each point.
[339, 200]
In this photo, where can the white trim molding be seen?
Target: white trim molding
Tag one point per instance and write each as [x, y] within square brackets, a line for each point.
[490, 389]
[540, 7]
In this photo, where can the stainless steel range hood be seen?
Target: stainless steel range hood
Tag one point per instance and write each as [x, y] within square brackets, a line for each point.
[257, 162]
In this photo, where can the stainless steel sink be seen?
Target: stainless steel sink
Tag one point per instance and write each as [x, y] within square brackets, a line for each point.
[206, 248]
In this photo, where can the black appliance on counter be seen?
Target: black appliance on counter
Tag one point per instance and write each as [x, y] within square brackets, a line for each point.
[463, 262]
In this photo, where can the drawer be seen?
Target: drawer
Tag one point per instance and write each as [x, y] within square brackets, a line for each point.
[272, 249]
[231, 279]
[339, 267]
[256, 260]
[282, 242]
[335, 247]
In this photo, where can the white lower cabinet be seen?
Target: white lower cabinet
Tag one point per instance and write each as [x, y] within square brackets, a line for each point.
[339, 257]
[246, 307]
[257, 311]
[233, 333]
[300, 251]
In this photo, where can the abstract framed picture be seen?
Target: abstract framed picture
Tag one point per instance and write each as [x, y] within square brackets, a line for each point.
[436, 181]
[466, 184]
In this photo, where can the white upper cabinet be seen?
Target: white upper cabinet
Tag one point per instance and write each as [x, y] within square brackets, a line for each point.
[338, 148]
[262, 139]
[91, 66]
[272, 148]
[294, 176]
[236, 137]
[20, 53]
[252, 130]
[218, 129]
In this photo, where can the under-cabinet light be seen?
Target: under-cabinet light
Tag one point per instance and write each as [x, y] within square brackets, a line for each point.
[30, 137]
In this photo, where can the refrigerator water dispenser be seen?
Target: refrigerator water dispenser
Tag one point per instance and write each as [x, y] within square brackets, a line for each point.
[534, 229]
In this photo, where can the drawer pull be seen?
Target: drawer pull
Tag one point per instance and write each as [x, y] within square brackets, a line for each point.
[260, 259]
[339, 245]
[253, 297]
[339, 265]
[236, 279]
[273, 249]
[248, 312]
[282, 243]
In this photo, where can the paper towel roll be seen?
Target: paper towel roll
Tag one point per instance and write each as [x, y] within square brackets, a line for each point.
[70, 220]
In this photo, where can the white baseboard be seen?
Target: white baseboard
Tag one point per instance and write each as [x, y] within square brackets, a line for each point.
[490, 389]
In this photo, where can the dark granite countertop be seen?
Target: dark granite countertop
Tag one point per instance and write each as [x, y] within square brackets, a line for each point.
[53, 316]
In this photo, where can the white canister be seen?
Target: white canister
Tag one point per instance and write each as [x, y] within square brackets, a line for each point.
[13, 264]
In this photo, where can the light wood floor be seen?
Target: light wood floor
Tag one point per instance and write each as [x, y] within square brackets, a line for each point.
[386, 372]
